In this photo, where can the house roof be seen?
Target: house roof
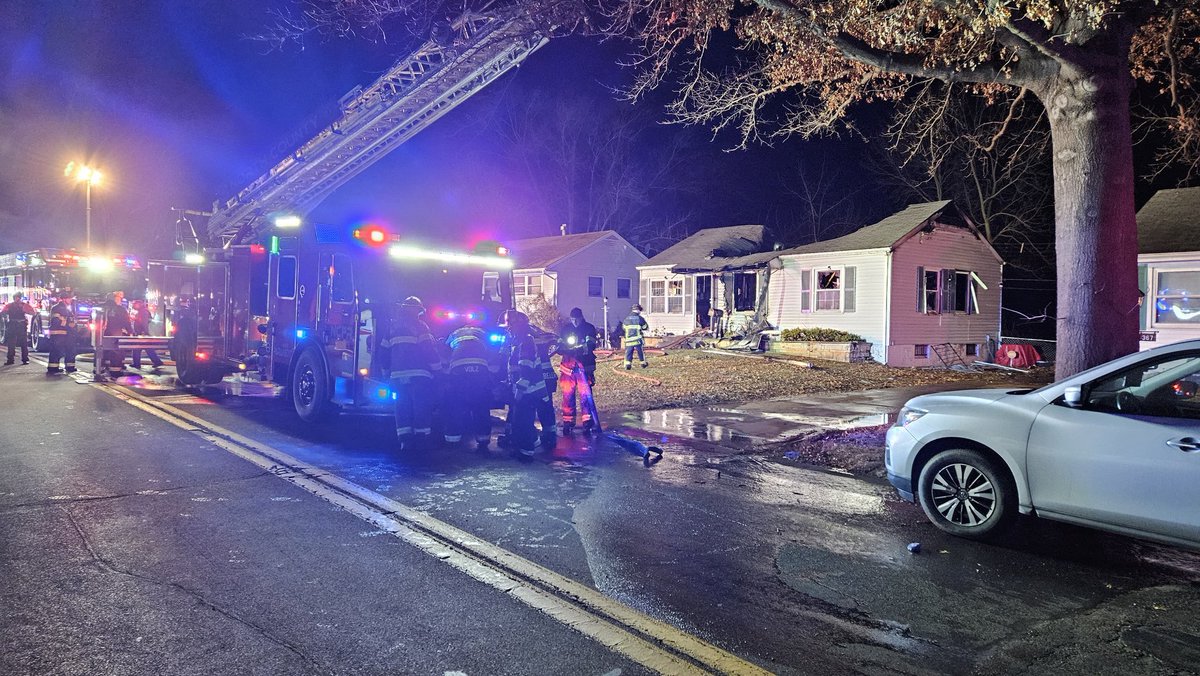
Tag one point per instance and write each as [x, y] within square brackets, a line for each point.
[713, 248]
[882, 235]
[542, 252]
[1170, 222]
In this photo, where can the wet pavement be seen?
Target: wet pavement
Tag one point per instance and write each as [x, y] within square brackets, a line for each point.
[775, 420]
[795, 569]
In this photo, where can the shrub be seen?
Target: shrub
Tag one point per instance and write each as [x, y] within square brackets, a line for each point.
[818, 334]
[541, 313]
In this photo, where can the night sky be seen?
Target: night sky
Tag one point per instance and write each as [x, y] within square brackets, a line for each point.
[179, 108]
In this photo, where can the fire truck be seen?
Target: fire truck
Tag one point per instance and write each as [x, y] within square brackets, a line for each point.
[303, 313]
[40, 275]
[299, 307]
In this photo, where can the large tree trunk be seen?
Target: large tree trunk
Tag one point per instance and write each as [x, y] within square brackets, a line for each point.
[1095, 229]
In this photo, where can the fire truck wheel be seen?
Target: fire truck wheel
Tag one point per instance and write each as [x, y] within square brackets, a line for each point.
[183, 350]
[310, 387]
[40, 342]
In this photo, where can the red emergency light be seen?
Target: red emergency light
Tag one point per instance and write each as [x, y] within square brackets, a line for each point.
[257, 250]
[371, 235]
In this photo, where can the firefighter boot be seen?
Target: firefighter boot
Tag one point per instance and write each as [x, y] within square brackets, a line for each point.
[568, 429]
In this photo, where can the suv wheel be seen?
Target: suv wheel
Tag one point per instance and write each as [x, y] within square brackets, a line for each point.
[966, 494]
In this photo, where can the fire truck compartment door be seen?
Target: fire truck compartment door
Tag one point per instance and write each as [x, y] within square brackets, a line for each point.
[337, 313]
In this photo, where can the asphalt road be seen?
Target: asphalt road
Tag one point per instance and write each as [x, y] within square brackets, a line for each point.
[134, 544]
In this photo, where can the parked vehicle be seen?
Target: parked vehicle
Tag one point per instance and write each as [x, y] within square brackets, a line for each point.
[1116, 447]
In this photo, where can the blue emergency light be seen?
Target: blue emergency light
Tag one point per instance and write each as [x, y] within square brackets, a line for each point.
[496, 337]
[301, 334]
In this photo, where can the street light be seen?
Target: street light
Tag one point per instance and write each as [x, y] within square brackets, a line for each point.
[89, 176]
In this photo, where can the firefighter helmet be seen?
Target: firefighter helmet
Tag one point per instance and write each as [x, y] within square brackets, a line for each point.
[637, 307]
[413, 301]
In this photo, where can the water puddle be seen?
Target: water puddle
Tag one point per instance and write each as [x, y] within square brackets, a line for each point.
[745, 428]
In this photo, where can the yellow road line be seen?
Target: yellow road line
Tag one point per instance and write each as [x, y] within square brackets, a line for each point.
[567, 601]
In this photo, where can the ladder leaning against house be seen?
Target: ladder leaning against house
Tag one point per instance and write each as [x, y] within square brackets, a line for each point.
[948, 354]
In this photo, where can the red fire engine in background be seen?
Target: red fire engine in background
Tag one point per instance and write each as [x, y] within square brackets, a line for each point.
[299, 312]
[41, 275]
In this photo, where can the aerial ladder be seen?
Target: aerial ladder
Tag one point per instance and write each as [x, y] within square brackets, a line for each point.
[475, 50]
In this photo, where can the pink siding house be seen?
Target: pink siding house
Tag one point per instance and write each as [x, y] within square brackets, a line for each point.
[922, 286]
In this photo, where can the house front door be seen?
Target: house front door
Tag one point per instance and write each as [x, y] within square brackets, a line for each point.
[704, 287]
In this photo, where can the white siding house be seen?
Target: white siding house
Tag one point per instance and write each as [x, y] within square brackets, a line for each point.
[582, 270]
[922, 286]
[1169, 266]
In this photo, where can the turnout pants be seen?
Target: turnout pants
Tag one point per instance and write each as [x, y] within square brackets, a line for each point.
[575, 382]
[641, 355]
[62, 350]
[522, 415]
[467, 407]
[17, 337]
[414, 406]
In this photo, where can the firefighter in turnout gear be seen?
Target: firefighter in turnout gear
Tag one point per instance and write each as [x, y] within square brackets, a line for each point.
[577, 371]
[116, 323]
[633, 329]
[547, 344]
[527, 382]
[16, 332]
[466, 407]
[62, 335]
[412, 362]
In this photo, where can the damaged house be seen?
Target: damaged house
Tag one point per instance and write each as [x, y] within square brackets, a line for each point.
[922, 285]
[714, 279]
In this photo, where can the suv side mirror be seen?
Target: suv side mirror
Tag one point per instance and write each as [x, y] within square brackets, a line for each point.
[1073, 396]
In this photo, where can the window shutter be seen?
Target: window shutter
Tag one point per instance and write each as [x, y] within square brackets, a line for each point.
[1147, 302]
[689, 282]
[946, 301]
[643, 294]
[921, 290]
[848, 294]
[806, 290]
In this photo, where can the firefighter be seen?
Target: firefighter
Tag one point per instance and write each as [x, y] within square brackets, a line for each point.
[140, 319]
[16, 334]
[116, 323]
[633, 330]
[527, 384]
[577, 371]
[412, 362]
[467, 402]
[547, 345]
[62, 335]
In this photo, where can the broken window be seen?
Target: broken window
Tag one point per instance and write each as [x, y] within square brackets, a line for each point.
[745, 291]
[829, 289]
[946, 291]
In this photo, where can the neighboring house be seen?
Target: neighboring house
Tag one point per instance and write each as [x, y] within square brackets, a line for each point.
[1169, 266]
[581, 270]
[918, 282]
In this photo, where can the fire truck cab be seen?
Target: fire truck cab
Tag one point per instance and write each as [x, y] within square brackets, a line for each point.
[304, 312]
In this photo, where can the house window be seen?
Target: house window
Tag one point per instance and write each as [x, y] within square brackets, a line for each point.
[658, 296]
[624, 287]
[1177, 297]
[946, 291]
[745, 291]
[527, 285]
[595, 287]
[972, 349]
[675, 296]
[921, 351]
[829, 289]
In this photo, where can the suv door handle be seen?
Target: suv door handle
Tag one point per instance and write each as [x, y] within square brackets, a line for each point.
[1185, 444]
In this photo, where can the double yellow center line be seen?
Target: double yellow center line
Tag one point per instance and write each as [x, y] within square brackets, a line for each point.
[633, 634]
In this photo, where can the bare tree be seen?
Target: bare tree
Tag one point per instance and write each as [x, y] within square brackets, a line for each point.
[600, 167]
[992, 157]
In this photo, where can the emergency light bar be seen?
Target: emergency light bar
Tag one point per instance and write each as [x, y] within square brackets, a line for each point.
[413, 253]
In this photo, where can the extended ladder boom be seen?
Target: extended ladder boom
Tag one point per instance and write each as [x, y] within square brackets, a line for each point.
[415, 92]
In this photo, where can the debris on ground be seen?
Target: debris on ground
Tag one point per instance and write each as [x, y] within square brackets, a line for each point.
[914, 547]
[858, 451]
